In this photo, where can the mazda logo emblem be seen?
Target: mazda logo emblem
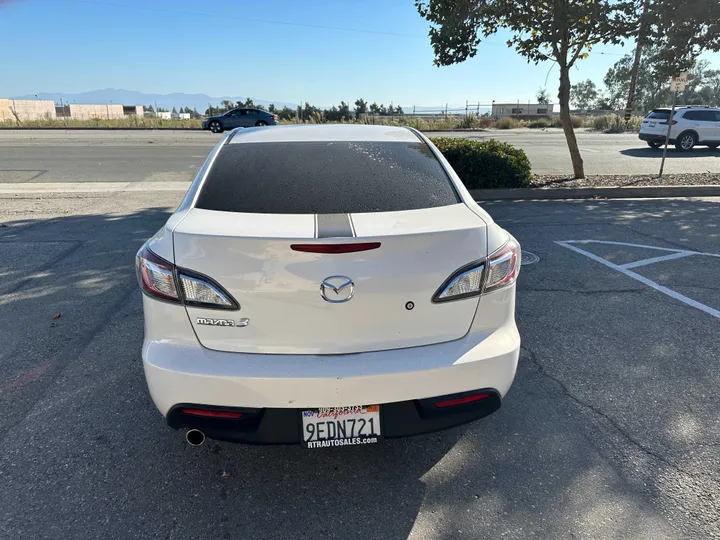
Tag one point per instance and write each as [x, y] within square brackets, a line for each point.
[337, 289]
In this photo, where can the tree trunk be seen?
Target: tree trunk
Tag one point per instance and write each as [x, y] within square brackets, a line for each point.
[636, 61]
[564, 96]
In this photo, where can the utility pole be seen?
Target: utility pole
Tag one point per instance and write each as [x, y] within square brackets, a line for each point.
[466, 107]
[446, 111]
[636, 61]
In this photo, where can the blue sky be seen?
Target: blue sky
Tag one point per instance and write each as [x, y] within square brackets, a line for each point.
[259, 49]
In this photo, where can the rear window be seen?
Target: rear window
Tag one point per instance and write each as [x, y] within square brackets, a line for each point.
[328, 177]
[658, 115]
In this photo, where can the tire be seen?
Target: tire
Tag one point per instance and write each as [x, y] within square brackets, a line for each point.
[654, 144]
[261, 123]
[686, 141]
[216, 127]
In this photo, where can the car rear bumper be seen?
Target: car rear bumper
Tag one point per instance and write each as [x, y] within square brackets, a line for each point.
[274, 387]
[283, 426]
[658, 137]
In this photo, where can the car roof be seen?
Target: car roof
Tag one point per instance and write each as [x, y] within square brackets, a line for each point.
[324, 132]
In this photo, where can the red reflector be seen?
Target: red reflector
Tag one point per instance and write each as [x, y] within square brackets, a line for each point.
[460, 401]
[335, 248]
[213, 414]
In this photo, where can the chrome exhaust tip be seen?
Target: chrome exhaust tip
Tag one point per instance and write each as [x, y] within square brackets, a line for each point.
[195, 437]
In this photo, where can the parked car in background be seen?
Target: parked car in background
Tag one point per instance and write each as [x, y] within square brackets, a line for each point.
[239, 118]
[691, 126]
[330, 286]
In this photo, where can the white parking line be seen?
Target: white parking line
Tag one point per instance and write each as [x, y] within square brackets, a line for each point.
[662, 258]
[623, 269]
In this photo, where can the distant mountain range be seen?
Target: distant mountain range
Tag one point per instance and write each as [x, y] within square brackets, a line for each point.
[196, 101]
[130, 97]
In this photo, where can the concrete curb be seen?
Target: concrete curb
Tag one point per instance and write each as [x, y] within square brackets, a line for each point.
[629, 192]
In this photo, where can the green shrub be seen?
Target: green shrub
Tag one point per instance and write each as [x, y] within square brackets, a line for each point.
[556, 122]
[485, 122]
[474, 122]
[542, 123]
[486, 164]
[612, 123]
[576, 121]
[507, 123]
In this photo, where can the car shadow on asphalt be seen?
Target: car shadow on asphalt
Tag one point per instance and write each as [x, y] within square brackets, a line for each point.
[672, 153]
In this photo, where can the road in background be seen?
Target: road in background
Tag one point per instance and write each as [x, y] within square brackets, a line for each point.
[157, 156]
[610, 431]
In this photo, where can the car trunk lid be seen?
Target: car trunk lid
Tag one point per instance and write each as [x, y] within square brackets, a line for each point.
[279, 288]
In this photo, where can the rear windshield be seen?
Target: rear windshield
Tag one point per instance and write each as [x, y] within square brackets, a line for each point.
[325, 178]
[659, 115]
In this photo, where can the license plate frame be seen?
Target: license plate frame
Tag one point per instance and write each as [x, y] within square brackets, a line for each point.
[340, 426]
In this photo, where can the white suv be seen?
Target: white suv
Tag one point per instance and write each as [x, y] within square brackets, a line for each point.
[327, 285]
[691, 126]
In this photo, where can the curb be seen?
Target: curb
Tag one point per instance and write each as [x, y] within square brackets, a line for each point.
[630, 192]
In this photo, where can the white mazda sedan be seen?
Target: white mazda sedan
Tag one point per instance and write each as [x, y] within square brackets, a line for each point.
[328, 286]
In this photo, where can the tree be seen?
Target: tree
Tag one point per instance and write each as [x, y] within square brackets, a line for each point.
[195, 113]
[652, 89]
[148, 108]
[561, 30]
[271, 108]
[374, 109]
[344, 111]
[399, 110]
[542, 96]
[174, 110]
[286, 113]
[679, 31]
[361, 108]
[584, 95]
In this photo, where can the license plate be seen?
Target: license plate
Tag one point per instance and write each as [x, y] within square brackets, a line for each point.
[652, 124]
[341, 426]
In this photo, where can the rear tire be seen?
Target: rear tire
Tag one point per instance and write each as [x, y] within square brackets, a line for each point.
[216, 127]
[654, 144]
[261, 123]
[686, 141]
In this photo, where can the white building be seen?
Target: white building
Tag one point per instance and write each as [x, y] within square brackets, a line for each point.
[522, 110]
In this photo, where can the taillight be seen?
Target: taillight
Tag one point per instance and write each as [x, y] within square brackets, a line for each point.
[156, 275]
[503, 266]
[674, 122]
[498, 271]
[160, 278]
[201, 291]
[273, 117]
[465, 282]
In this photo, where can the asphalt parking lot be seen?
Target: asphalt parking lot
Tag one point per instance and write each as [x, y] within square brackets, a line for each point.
[611, 430]
[161, 156]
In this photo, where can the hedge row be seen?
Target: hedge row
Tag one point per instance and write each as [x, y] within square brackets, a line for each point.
[486, 164]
